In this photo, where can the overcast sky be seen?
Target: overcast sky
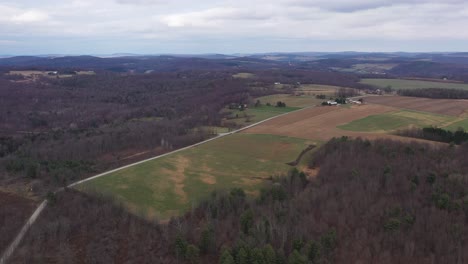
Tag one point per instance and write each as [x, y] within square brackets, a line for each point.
[230, 26]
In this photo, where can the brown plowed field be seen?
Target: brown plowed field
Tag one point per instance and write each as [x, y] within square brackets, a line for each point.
[438, 106]
[319, 123]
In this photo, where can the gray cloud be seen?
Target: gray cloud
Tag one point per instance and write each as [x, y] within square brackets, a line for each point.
[140, 2]
[360, 5]
[141, 23]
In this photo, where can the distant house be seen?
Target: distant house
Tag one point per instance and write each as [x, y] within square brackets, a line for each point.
[277, 83]
[332, 103]
[351, 101]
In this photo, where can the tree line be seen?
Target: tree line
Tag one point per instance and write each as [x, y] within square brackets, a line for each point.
[437, 134]
[437, 93]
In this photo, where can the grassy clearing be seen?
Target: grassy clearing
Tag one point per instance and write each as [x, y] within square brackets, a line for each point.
[399, 84]
[374, 66]
[457, 125]
[50, 74]
[256, 114]
[213, 129]
[170, 185]
[291, 100]
[313, 89]
[398, 120]
[243, 75]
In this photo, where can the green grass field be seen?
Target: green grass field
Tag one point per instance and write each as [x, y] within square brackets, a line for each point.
[243, 75]
[398, 120]
[31, 73]
[399, 84]
[315, 89]
[457, 125]
[256, 114]
[171, 185]
[291, 100]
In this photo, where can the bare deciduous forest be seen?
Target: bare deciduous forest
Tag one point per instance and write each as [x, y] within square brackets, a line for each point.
[376, 201]
[438, 93]
[358, 201]
[55, 131]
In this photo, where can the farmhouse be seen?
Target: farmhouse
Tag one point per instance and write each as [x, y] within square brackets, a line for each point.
[351, 101]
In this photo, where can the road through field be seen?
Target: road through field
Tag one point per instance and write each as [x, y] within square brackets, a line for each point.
[11, 248]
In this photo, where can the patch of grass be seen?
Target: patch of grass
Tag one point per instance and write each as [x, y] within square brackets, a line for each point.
[399, 84]
[397, 120]
[172, 184]
[243, 75]
[256, 114]
[313, 89]
[32, 73]
[457, 125]
[214, 129]
[374, 66]
[291, 100]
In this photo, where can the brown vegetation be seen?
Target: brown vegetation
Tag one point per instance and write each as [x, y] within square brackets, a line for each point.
[14, 211]
[437, 106]
[54, 132]
[372, 202]
[320, 123]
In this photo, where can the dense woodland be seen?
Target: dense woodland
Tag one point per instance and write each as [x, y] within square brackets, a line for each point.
[437, 93]
[371, 202]
[451, 69]
[437, 134]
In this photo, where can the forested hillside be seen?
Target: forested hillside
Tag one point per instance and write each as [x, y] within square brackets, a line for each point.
[371, 202]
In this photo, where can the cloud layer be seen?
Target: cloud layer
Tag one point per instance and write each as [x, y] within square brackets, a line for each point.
[161, 26]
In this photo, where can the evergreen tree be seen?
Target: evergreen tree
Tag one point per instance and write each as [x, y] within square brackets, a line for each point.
[297, 258]
[192, 253]
[269, 254]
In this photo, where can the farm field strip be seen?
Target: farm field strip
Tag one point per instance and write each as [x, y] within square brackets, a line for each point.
[319, 123]
[322, 123]
[292, 100]
[457, 125]
[257, 114]
[392, 121]
[399, 84]
[449, 107]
